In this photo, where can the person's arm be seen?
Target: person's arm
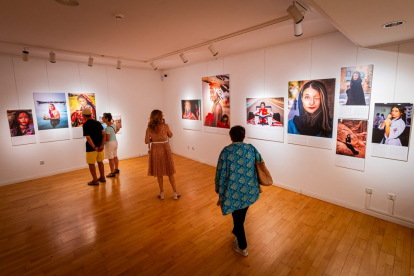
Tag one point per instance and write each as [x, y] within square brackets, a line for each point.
[399, 126]
[169, 133]
[387, 123]
[88, 138]
[103, 140]
[57, 115]
[221, 165]
[147, 138]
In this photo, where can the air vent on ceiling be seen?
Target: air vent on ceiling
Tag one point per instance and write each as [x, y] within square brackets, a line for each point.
[70, 3]
[393, 24]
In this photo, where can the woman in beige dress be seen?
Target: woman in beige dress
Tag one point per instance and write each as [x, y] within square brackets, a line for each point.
[160, 161]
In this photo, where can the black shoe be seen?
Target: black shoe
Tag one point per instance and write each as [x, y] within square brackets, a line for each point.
[116, 171]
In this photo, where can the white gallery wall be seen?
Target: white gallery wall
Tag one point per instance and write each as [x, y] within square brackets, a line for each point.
[133, 93]
[266, 73]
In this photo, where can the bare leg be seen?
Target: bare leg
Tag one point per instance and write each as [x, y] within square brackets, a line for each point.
[92, 169]
[172, 181]
[116, 162]
[161, 183]
[101, 170]
[112, 165]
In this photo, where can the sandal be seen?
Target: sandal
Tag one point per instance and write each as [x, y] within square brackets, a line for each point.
[93, 183]
[116, 171]
[111, 175]
[100, 179]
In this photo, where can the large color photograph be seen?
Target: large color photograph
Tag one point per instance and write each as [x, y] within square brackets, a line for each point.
[265, 112]
[51, 111]
[116, 119]
[311, 107]
[216, 101]
[190, 109]
[392, 124]
[20, 122]
[352, 138]
[356, 84]
[78, 102]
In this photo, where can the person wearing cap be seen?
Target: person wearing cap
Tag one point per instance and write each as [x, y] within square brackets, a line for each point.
[95, 141]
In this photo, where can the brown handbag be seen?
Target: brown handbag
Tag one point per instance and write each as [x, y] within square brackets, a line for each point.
[263, 174]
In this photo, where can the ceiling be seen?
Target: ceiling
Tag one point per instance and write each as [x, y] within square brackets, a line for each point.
[361, 21]
[154, 28]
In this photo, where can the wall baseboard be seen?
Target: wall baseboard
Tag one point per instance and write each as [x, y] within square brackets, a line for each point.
[345, 205]
[37, 176]
[194, 159]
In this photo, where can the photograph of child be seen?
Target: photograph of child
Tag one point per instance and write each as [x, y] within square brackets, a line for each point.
[190, 109]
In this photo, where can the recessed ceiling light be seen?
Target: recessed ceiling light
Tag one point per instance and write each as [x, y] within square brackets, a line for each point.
[119, 16]
[393, 24]
[70, 3]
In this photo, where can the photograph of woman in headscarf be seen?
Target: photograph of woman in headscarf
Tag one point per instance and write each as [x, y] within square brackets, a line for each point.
[51, 110]
[77, 103]
[20, 122]
[356, 83]
[315, 108]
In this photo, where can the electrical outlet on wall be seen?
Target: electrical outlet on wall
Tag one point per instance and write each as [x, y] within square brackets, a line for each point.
[42, 162]
[391, 196]
[368, 191]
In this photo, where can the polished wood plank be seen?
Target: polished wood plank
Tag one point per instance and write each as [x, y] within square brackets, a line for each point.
[60, 226]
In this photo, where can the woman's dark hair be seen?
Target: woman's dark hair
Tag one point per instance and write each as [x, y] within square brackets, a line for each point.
[88, 102]
[108, 116]
[325, 120]
[224, 116]
[401, 109]
[352, 77]
[155, 119]
[237, 133]
[262, 103]
[16, 124]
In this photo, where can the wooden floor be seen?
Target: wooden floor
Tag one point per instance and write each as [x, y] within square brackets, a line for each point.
[60, 226]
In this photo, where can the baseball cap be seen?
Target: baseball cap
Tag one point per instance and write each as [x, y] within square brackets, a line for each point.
[87, 112]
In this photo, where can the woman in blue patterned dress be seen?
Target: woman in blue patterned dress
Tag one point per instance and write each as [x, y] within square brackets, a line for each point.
[237, 183]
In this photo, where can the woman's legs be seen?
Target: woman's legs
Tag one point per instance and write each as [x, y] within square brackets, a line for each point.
[238, 230]
[116, 163]
[172, 181]
[161, 183]
[112, 165]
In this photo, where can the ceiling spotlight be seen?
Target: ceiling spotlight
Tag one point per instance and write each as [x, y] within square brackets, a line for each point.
[25, 55]
[213, 50]
[118, 64]
[52, 57]
[294, 12]
[393, 24]
[69, 3]
[153, 65]
[298, 29]
[90, 61]
[183, 58]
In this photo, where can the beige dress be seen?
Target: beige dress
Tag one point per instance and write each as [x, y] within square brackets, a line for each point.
[160, 157]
